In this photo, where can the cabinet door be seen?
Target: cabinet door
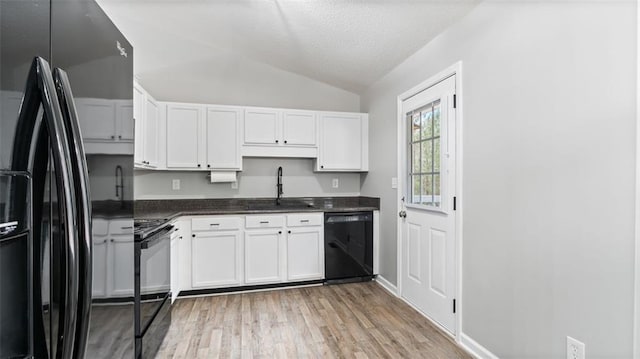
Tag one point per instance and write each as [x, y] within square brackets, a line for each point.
[183, 130]
[124, 115]
[97, 119]
[263, 256]
[216, 259]
[151, 132]
[99, 267]
[175, 265]
[138, 119]
[341, 147]
[121, 265]
[261, 127]
[223, 138]
[299, 128]
[305, 254]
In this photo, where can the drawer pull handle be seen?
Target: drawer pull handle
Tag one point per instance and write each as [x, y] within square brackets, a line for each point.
[126, 227]
[264, 222]
[304, 221]
[214, 224]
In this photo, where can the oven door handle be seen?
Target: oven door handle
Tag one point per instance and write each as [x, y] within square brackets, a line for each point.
[155, 238]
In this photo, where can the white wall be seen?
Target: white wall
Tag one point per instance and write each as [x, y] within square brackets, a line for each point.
[234, 80]
[257, 180]
[549, 168]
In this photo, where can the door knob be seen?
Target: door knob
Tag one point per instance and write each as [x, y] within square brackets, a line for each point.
[403, 214]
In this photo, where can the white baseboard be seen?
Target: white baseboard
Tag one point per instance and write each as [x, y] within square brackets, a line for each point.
[475, 349]
[384, 283]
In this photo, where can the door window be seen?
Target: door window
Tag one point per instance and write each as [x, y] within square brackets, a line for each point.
[425, 176]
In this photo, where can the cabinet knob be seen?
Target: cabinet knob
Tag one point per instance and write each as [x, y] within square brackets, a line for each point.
[321, 166]
[277, 141]
[279, 232]
[198, 165]
[105, 241]
[285, 141]
[113, 137]
[288, 231]
[193, 235]
[119, 137]
[208, 166]
[112, 241]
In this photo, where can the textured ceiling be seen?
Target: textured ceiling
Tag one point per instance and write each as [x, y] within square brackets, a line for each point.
[348, 44]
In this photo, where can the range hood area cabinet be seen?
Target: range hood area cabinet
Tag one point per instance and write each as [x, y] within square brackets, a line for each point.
[270, 132]
[200, 137]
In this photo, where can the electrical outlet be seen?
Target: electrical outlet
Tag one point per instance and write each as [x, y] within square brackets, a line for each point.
[394, 182]
[234, 185]
[335, 183]
[175, 184]
[575, 349]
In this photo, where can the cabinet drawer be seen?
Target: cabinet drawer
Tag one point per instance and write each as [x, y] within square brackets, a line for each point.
[216, 223]
[303, 220]
[264, 221]
[124, 226]
[100, 227]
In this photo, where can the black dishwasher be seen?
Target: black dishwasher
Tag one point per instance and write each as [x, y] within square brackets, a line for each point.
[348, 246]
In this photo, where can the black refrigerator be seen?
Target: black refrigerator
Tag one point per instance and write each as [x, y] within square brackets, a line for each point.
[66, 163]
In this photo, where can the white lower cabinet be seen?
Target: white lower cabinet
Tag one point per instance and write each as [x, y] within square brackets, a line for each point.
[305, 254]
[121, 265]
[176, 238]
[232, 250]
[99, 254]
[263, 256]
[216, 259]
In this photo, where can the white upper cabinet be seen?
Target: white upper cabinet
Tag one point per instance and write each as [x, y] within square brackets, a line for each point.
[146, 114]
[97, 119]
[344, 142]
[224, 130]
[184, 142]
[279, 133]
[299, 128]
[151, 132]
[106, 125]
[216, 138]
[261, 127]
[138, 118]
[124, 127]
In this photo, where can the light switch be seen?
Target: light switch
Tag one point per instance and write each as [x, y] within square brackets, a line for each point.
[335, 183]
[394, 182]
[175, 184]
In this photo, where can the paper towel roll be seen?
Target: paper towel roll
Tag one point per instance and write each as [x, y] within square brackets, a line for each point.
[217, 177]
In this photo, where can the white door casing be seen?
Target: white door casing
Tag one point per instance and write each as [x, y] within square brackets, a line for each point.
[428, 244]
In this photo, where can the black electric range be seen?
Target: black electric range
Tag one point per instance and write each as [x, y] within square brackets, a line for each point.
[152, 285]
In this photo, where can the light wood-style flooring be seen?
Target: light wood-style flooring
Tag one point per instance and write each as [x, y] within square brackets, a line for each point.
[359, 320]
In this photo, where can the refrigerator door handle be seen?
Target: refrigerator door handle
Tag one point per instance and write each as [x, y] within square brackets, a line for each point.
[40, 89]
[83, 209]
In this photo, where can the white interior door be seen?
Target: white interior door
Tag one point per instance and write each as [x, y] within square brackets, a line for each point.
[428, 182]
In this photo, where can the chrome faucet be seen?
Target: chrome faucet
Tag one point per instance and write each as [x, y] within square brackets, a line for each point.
[279, 186]
[120, 185]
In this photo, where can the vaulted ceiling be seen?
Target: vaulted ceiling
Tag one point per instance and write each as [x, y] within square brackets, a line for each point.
[348, 44]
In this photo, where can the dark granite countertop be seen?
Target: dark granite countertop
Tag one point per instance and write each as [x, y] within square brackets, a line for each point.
[170, 209]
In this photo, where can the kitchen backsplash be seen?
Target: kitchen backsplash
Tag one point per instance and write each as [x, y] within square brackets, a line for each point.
[258, 179]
